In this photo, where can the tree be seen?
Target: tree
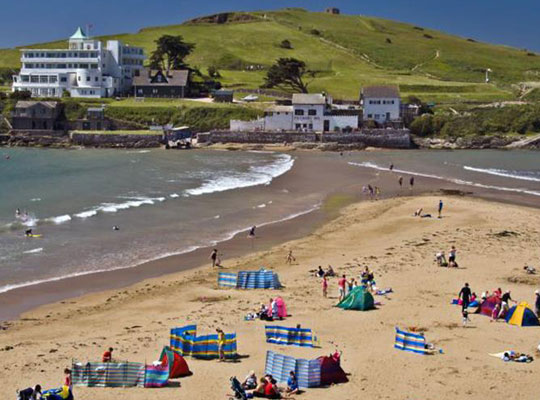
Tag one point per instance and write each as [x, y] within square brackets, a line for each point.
[287, 73]
[213, 72]
[170, 53]
[21, 95]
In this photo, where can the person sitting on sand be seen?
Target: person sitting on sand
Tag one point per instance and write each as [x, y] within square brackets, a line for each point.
[329, 271]
[292, 383]
[529, 270]
[498, 293]
[320, 272]
[250, 382]
[336, 356]
[107, 355]
[263, 312]
[495, 312]
[30, 393]
[441, 259]
[259, 390]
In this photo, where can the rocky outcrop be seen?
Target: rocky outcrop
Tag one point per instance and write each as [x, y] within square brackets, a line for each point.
[223, 18]
[32, 140]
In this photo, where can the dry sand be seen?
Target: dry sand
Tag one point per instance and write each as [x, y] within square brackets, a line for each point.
[382, 234]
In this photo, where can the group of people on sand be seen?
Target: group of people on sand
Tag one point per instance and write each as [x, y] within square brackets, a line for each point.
[440, 258]
[420, 212]
[36, 392]
[345, 286]
[267, 388]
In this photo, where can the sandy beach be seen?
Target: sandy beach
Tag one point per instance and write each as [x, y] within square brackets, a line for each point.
[382, 234]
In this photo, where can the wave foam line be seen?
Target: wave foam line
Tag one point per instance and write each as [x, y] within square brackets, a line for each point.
[501, 172]
[456, 181]
[261, 175]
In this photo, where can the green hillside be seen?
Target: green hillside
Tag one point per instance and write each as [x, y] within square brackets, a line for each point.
[346, 52]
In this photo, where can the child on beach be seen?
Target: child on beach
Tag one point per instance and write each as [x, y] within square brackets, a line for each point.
[107, 355]
[452, 257]
[324, 286]
[290, 258]
[67, 378]
[341, 283]
[221, 344]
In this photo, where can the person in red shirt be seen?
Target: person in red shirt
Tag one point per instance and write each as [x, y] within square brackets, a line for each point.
[341, 283]
[67, 378]
[107, 356]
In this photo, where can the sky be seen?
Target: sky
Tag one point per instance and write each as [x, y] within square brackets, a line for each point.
[509, 22]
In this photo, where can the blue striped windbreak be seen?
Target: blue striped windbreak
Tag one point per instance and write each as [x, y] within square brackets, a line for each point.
[109, 374]
[262, 279]
[186, 342]
[289, 336]
[308, 372]
[412, 342]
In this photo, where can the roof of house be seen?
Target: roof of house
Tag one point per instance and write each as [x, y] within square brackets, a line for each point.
[303, 98]
[381, 91]
[343, 113]
[27, 104]
[79, 34]
[174, 78]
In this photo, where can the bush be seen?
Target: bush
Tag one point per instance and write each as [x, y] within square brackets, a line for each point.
[66, 94]
[213, 72]
[428, 36]
[21, 95]
[285, 44]
[315, 32]
[422, 126]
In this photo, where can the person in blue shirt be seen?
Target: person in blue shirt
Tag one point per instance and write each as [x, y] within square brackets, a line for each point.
[440, 208]
[292, 383]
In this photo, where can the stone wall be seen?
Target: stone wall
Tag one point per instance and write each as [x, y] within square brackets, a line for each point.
[255, 137]
[395, 139]
[113, 140]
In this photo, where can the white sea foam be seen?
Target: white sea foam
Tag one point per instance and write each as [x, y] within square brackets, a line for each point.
[261, 175]
[503, 173]
[134, 202]
[174, 195]
[33, 251]
[60, 219]
[453, 180]
[35, 199]
[86, 214]
[261, 206]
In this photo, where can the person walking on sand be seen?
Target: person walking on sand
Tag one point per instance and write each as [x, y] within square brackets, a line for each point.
[107, 355]
[411, 182]
[440, 208]
[391, 168]
[324, 286]
[214, 258]
[221, 344]
[342, 282]
[465, 296]
[452, 257]
[290, 258]
[505, 303]
[251, 233]
[400, 181]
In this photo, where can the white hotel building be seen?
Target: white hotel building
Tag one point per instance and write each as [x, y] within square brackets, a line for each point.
[84, 69]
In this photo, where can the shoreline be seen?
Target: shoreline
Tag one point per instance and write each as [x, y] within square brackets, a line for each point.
[26, 298]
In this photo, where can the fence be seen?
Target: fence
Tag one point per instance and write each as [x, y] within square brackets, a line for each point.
[186, 342]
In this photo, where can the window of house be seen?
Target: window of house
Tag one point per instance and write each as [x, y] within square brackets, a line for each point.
[392, 101]
[298, 112]
[87, 79]
[97, 79]
[312, 112]
[377, 116]
[34, 79]
[79, 78]
[53, 79]
[370, 116]
[63, 79]
[140, 91]
[298, 126]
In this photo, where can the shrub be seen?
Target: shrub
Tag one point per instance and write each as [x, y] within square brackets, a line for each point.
[21, 95]
[285, 44]
[422, 126]
[428, 36]
[315, 32]
[388, 40]
[213, 72]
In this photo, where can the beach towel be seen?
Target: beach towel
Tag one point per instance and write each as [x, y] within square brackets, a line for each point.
[382, 292]
[458, 302]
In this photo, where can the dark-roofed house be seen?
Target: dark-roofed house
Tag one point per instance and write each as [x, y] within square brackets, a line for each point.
[37, 115]
[381, 104]
[157, 83]
[332, 10]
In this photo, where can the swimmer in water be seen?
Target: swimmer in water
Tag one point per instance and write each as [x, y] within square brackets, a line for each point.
[252, 232]
[17, 212]
[115, 228]
[28, 232]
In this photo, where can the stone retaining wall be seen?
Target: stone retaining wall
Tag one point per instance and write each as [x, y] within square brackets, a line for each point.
[113, 140]
[255, 137]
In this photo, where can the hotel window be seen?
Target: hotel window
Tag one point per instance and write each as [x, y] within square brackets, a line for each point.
[25, 78]
[87, 79]
[53, 79]
[370, 116]
[312, 112]
[97, 79]
[298, 112]
[63, 79]
[34, 79]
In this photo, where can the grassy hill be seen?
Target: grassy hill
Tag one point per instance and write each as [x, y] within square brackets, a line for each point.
[346, 52]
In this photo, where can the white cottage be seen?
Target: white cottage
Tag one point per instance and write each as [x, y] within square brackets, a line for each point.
[381, 103]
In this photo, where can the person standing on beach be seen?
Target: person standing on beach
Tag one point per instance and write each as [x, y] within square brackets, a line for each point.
[342, 282]
[214, 258]
[452, 257]
[391, 167]
[440, 208]
[411, 182]
[221, 344]
[465, 296]
[67, 379]
[505, 303]
[290, 258]
[537, 303]
[325, 287]
[107, 355]
[400, 181]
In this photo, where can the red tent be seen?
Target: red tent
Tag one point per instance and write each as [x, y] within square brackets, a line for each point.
[178, 367]
[331, 371]
[487, 306]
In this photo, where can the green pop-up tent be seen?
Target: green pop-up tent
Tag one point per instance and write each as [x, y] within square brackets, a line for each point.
[357, 299]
